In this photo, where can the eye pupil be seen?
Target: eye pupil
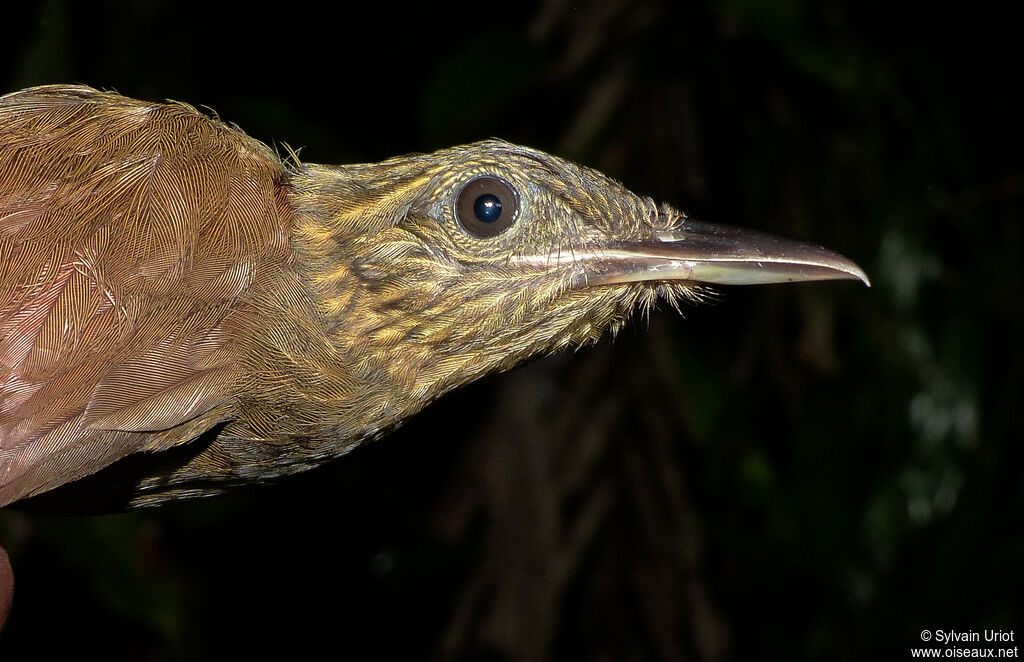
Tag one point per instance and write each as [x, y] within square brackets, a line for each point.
[487, 208]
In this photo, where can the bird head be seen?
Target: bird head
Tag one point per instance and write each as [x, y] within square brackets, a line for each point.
[428, 271]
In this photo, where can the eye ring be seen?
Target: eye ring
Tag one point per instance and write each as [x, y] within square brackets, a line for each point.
[486, 206]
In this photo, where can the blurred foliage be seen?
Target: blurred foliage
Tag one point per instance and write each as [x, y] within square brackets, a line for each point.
[812, 472]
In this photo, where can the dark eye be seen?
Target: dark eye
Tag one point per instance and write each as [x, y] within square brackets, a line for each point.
[486, 206]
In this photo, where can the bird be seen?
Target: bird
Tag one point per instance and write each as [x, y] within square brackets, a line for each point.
[175, 292]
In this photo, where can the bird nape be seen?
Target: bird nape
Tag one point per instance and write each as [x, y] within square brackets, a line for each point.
[171, 290]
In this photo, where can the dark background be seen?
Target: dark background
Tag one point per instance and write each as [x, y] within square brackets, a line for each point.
[793, 472]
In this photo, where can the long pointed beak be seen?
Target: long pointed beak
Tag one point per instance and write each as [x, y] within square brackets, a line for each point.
[720, 254]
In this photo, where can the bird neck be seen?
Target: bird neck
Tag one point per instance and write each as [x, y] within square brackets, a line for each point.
[351, 337]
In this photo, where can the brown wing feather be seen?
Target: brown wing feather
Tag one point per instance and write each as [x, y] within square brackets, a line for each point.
[129, 232]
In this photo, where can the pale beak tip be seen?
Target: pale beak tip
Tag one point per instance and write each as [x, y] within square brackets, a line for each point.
[854, 272]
